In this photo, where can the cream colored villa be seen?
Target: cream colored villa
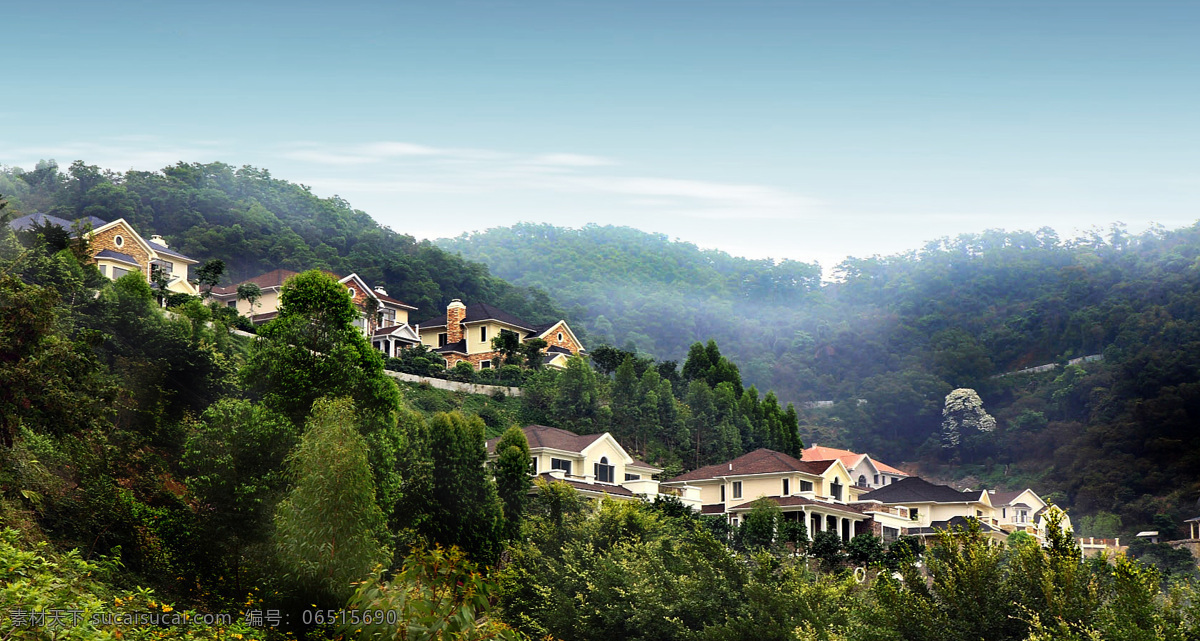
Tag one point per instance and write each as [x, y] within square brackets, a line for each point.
[388, 330]
[466, 333]
[594, 464]
[917, 507]
[118, 249]
[864, 471]
[819, 494]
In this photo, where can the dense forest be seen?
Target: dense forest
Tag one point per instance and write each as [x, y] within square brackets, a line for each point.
[255, 223]
[890, 337]
[164, 478]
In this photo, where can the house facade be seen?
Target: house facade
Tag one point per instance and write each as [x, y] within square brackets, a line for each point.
[466, 333]
[594, 464]
[865, 471]
[117, 249]
[819, 494]
[388, 329]
[916, 507]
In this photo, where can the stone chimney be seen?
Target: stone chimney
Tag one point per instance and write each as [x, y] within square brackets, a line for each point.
[455, 313]
[158, 240]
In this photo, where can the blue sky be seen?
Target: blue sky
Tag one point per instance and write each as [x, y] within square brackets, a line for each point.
[805, 130]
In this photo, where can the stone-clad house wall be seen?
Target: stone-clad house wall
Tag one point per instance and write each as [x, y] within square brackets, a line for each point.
[107, 240]
[473, 359]
[551, 339]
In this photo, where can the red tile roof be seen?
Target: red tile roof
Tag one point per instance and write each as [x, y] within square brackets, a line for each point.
[760, 461]
[821, 453]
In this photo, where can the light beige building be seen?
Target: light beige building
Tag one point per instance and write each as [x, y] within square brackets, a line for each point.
[117, 249]
[594, 464]
[465, 333]
[819, 494]
[388, 330]
[865, 471]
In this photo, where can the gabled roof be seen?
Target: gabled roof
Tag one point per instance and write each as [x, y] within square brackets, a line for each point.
[917, 490]
[116, 255]
[590, 488]
[459, 347]
[790, 501]
[958, 521]
[760, 461]
[273, 278]
[479, 312]
[402, 332]
[167, 251]
[37, 218]
[553, 438]
[848, 458]
[393, 301]
[1005, 498]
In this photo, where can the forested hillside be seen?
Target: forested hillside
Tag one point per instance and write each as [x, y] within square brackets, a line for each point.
[893, 335]
[255, 223]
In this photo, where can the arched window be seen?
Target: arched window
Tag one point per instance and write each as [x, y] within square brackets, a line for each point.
[835, 490]
[862, 480]
[605, 472]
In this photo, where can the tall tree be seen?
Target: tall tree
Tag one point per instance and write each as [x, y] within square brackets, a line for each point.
[329, 528]
[512, 478]
[463, 506]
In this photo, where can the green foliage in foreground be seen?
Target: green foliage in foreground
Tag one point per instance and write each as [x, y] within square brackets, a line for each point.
[39, 579]
[634, 571]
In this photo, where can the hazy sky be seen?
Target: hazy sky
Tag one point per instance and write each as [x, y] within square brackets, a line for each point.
[806, 130]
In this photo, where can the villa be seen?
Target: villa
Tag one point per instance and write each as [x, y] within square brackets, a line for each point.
[465, 334]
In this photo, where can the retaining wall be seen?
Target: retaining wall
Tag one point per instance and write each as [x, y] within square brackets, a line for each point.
[455, 386]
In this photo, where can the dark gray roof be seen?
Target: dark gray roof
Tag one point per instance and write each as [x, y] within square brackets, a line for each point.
[555, 349]
[551, 437]
[38, 218]
[459, 348]
[958, 521]
[115, 255]
[760, 461]
[477, 312]
[917, 490]
[168, 251]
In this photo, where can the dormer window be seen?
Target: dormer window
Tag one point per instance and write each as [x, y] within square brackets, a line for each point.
[806, 486]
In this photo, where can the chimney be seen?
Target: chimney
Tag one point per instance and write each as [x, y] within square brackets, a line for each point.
[380, 290]
[731, 467]
[455, 313]
[158, 240]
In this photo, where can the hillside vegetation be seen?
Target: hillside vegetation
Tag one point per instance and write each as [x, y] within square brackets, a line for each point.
[893, 335]
[255, 223]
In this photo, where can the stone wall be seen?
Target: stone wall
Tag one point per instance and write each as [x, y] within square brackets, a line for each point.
[130, 247]
[551, 338]
[455, 386]
[473, 359]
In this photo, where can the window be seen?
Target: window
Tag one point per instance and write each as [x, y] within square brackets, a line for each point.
[118, 272]
[835, 490]
[350, 292]
[862, 480]
[633, 477]
[876, 479]
[104, 270]
[787, 487]
[1004, 513]
[978, 513]
[805, 486]
[119, 240]
[914, 513]
[890, 533]
[485, 365]
[604, 471]
[442, 339]
[232, 303]
[560, 464]
[483, 334]
[735, 522]
[722, 492]
[560, 337]
[533, 466]
[737, 489]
